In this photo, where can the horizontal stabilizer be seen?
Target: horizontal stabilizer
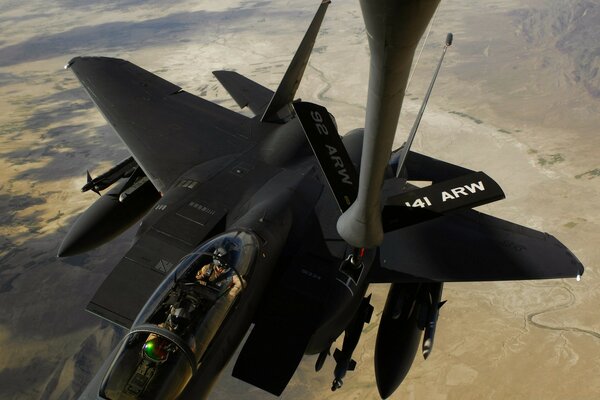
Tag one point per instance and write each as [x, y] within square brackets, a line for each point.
[469, 246]
[244, 91]
[422, 204]
[329, 149]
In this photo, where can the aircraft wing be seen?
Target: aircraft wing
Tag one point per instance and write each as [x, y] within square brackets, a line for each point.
[167, 130]
[471, 246]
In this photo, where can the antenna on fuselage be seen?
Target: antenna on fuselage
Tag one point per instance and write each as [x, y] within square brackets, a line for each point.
[415, 127]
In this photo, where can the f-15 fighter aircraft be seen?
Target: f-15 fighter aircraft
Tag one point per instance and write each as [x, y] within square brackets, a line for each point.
[264, 221]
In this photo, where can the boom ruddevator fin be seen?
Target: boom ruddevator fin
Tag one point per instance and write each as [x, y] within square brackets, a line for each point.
[417, 205]
[289, 84]
[330, 151]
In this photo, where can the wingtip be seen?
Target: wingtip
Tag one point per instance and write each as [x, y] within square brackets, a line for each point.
[72, 61]
[69, 63]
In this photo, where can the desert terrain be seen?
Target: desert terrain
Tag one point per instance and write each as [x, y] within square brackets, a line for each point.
[518, 97]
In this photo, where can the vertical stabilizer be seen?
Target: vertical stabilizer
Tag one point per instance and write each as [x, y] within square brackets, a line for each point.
[278, 109]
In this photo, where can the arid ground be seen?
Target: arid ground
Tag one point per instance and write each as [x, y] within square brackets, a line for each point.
[518, 97]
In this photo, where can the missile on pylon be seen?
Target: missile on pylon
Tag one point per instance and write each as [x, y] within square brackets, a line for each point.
[124, 169]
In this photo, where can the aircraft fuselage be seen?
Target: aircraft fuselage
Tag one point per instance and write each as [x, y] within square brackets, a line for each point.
[293, 214]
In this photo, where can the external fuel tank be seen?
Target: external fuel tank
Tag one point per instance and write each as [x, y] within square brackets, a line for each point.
[398, 337]
[108, 217]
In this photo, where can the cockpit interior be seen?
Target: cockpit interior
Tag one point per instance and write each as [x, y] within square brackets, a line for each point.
[175, 328]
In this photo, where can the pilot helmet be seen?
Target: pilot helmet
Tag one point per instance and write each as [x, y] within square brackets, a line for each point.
[219, 252]
[176, 317]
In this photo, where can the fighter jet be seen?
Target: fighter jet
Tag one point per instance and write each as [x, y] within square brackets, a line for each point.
[276, 225]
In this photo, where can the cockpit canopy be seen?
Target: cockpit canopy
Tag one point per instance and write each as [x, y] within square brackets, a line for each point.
[175, 328]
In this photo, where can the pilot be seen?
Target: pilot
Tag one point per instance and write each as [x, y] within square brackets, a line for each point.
[217, 275]
[176, 319]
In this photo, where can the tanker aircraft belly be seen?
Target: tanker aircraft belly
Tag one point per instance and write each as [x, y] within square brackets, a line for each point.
[278, 222]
